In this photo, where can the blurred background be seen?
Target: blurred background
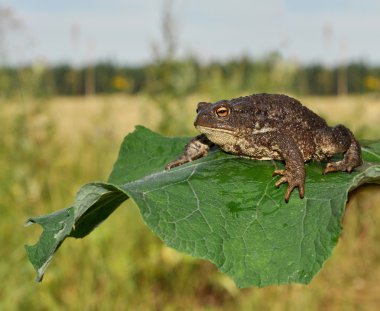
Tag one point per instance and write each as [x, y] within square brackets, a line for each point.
[77, 76]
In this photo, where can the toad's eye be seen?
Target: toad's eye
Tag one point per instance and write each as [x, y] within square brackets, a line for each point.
[222, 112]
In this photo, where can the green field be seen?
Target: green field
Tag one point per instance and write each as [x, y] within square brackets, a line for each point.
[50, 147]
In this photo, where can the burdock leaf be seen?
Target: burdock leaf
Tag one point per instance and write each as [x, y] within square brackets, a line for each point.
[221, 208]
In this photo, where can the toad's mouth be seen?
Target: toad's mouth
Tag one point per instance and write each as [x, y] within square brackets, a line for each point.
[219, 136]
[209, 130]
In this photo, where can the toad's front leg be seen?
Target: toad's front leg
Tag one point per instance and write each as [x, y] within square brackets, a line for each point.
[196, 148]
[294, 174]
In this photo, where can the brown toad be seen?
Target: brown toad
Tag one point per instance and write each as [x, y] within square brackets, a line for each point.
[272, 126]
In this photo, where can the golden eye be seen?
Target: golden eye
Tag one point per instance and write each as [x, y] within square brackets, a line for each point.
[222, 111]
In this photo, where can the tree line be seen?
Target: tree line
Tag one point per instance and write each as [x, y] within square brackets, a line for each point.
[186, 76]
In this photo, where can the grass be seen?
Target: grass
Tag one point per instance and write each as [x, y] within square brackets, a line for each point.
[51, 147]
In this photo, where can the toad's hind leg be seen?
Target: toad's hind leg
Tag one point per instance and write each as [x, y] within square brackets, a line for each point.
[335, 140]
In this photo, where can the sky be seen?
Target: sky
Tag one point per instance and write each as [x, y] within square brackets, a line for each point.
[128, 32]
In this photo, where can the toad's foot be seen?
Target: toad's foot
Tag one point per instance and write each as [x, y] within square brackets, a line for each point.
[293, 181]
[178, 162]
[196, 148]
[338, 166]
[352, 158]
[349, 162]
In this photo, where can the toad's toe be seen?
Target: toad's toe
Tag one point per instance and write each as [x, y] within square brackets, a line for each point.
[278, 173]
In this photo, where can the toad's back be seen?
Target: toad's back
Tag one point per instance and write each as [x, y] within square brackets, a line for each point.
[281, 111]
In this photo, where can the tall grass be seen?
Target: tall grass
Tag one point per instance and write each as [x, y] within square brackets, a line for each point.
[48, 148]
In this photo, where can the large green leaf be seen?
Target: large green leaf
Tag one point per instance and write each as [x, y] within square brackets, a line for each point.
[222, 208]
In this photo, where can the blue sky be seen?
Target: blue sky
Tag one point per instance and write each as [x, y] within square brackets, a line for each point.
[124, 31]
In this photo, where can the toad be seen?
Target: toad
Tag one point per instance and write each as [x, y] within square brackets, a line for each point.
[272, 127]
